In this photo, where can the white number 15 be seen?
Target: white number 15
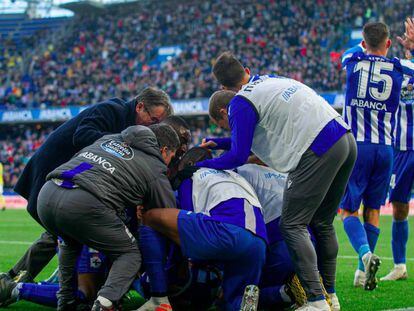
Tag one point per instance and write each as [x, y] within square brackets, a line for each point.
[374, 76]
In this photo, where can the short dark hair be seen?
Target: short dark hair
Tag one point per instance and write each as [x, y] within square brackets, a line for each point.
[194, 155]
[228, 71]
[153, 97]
[180, 126]
[375, 34]
[166, 136]
[219, 100]
[176, 121]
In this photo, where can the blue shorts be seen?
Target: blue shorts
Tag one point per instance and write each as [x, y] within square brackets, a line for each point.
[91, 261]
[240, 252]
[402, 176]
[370, 178]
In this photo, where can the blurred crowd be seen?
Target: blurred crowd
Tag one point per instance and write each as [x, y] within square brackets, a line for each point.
[19, 144]
[112, 54]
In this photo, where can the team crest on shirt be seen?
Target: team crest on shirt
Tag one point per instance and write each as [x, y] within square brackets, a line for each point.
[118, 148]
[95, 262]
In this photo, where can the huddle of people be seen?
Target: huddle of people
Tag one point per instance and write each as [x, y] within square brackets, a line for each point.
[118, 188]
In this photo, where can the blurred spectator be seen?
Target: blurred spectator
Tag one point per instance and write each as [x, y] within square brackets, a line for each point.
[112, 54]
[20, 143]
[16, 150]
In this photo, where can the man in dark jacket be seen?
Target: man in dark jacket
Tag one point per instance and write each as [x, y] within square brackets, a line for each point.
[85, 199]
[112, 116]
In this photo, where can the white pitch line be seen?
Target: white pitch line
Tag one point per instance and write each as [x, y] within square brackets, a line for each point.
[382, 258]
[16, 242]
[18, 225]
[341, 257]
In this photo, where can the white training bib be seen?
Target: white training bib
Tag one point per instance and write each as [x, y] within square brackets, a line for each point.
[211, 187]
[269, 186]
[291, 115]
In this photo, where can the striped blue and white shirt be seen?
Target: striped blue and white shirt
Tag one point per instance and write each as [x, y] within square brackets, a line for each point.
[404, 129]
[373, 94]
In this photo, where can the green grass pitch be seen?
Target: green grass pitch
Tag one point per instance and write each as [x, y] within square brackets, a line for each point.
[16, 225]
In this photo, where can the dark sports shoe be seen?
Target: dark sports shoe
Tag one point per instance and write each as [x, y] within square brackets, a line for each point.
[6, 287]
[372, 264]
[250, 299]
[98, 307]
[295, 291]
[5, 275]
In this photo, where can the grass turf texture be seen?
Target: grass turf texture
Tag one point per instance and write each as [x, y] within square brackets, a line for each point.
[16, 225]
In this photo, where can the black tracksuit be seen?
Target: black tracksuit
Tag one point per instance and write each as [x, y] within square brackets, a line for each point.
[111, 116]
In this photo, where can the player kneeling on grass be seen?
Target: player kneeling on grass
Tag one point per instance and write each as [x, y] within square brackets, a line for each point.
[220, 220]
[85, 199]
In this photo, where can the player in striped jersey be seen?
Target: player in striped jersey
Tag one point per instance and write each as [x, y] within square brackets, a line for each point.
[372, 96]
[402, 180]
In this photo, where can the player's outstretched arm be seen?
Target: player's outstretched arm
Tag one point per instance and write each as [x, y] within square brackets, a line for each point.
[243, 121]
[218, 143]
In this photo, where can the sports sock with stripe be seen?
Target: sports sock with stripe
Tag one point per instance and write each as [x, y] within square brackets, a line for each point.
[357, 236]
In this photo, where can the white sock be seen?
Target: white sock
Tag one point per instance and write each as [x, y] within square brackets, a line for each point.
[285, 297]
[160, 300]
[366, 257]
[318, 303]
[400, 265]
[16, 291]
[104, 301]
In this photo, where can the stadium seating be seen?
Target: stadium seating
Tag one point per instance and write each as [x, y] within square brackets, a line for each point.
[113, 54]
[19, 144]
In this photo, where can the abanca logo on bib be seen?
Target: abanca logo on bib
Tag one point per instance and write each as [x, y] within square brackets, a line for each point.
[118, 149]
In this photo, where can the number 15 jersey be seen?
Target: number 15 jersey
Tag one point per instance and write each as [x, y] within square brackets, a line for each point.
[373, 94]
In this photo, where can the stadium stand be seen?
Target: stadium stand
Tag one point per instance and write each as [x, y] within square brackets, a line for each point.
[114, 53]
[17, 147]
[20, 142]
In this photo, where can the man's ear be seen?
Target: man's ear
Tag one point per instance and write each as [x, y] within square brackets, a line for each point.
[247, 70]
[223, 111]
[139, 106]
[364, 44]
[388, 43]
